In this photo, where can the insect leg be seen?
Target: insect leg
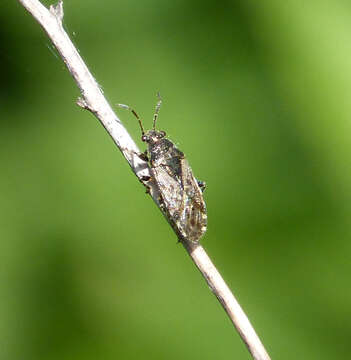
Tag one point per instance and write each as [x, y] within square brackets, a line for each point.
[202, 185]
[143, 156]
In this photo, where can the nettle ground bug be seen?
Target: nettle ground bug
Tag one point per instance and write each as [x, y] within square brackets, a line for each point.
[181, 197]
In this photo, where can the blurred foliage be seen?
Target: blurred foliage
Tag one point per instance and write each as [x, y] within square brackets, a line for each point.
[257, 95]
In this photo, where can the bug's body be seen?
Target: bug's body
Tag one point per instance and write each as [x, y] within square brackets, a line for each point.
[181, 196]
[180, 193]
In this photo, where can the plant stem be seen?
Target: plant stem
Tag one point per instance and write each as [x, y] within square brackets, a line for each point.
[93, 100]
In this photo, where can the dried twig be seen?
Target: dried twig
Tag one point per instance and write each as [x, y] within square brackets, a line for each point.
[93, 100]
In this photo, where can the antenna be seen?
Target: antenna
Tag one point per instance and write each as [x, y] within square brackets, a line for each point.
[135, 114]
[157, 109]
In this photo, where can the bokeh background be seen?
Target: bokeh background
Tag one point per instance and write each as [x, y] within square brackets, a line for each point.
[257, 95]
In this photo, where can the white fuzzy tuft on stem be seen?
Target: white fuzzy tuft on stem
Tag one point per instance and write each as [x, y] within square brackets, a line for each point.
[93, 100]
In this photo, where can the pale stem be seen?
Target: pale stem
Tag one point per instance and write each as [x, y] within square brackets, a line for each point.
[93, 100]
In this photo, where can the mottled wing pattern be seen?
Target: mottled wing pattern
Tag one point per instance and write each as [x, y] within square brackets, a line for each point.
[194, 206]
[181, 196]
[170, 190]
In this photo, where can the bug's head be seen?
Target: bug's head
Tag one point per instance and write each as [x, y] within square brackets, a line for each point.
[153, 136]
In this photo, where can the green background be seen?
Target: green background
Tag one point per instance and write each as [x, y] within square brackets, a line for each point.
[257, 95]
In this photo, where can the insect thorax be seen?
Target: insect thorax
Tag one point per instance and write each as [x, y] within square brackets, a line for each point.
[162, 151]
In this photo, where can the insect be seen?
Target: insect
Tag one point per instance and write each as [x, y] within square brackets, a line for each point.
[181, 197]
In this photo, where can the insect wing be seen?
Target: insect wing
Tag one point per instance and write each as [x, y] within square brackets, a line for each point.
[170, 190]
[194, 215]
[182, 200]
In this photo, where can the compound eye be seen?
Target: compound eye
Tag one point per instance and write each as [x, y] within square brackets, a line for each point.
[145, 138]
[161, 134]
